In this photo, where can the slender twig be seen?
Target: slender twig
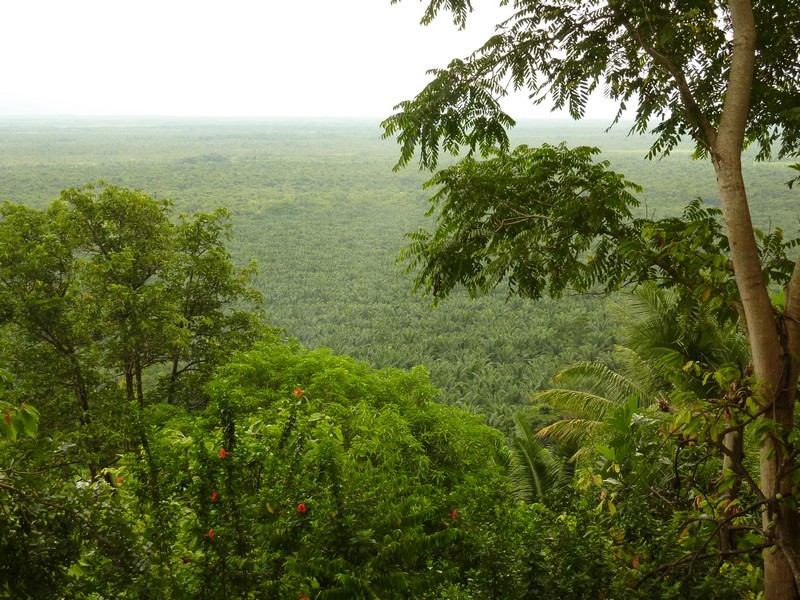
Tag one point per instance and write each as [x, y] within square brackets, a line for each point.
[694, 557]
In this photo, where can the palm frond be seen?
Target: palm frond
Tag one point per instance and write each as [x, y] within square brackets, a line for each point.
[598, 379]
[657, 319]
[582, 454]
[534, 471]
[644, 372]
[572, 433]
[577, 403]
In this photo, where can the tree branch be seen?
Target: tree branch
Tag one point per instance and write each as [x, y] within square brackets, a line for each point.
[705, 133]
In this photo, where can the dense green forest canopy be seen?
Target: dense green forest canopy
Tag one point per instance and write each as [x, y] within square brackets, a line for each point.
[287, 472]
[316, 204]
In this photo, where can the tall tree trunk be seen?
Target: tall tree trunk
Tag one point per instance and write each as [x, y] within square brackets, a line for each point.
[173, 380]
[139, 387]
[130, 391]
[789, 530]
[765, 343]
[80, 389]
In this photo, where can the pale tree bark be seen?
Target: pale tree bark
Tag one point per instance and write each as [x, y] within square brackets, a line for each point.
[769, 352]
[789, 520]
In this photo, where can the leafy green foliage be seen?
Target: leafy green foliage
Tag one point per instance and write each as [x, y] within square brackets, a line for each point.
[527, 218]
[307, 473]
[657, 454]
[669, 61]
[18, 419]
[317, 205]
[298, 197]
[356, 485]
[103, 284]
[473, 117]
[91, 293]
[543, 221]
[15, 420]
[536, 473]
[589, 395]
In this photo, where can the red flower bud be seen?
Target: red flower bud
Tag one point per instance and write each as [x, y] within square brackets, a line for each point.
[223, 453]
[301, 508]
[214, 496]
[454, 514]
[298, 392]
[211, 533]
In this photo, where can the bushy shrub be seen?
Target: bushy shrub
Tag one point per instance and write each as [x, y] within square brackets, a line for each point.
[312, 474]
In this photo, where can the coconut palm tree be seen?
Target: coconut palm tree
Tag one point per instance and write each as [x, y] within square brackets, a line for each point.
[588, 394]
[663, 333]
[672, 345]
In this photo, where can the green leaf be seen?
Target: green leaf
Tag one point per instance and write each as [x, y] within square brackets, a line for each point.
[612, 508]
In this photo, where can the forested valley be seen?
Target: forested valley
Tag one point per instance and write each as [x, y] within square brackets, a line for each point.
[218, 382]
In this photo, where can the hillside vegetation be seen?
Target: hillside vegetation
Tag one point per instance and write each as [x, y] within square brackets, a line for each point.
[177, 423]
[317, 205]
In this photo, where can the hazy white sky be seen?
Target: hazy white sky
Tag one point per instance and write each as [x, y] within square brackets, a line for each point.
[227, 57]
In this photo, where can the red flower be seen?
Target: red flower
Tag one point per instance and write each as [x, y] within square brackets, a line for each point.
[119, 480]
[301, 508]
[454, 514]
[214, 496]
[298, 392]
[211, 533]
[223, 453]
[302, 597]
[7, 416]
